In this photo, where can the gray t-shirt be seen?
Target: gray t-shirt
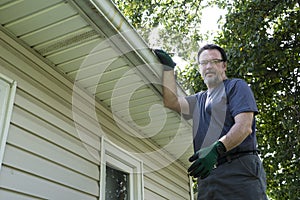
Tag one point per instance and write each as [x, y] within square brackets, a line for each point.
[213, 114]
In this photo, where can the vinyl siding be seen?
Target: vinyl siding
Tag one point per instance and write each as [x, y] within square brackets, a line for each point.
[45, 158]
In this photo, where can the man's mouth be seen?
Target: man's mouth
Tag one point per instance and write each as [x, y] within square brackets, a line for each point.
[209, 73]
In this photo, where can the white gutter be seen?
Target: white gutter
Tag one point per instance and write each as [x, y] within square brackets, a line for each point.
[124, 31]
[128, 32]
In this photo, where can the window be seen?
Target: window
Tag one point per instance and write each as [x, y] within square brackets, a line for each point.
[7, 94]
[116, 184]
[121, 174]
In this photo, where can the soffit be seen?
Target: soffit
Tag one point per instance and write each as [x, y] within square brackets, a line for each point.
[83, 45]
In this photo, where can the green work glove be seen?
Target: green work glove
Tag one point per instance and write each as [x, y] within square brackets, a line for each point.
[165, 59]
[205, 159]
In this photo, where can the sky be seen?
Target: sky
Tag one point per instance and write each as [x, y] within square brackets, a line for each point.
[210, 17]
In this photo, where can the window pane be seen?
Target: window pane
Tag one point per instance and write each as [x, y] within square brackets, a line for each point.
[117, 184]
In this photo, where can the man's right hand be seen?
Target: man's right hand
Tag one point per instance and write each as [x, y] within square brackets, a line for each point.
[165, 59]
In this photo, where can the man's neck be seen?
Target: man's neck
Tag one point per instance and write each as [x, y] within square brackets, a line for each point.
[211, 87]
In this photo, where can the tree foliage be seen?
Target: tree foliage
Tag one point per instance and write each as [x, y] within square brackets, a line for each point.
[177, 22]
[261, 38]
[263, 44]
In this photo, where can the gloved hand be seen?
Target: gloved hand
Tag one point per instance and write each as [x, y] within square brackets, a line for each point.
[165, 59]
[205, 159]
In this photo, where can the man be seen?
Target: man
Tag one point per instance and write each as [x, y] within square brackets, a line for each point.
[225, 162]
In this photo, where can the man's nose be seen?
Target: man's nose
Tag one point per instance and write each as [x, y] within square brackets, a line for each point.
[209, 65]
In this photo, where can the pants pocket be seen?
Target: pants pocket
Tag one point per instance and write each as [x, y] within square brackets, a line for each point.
[251, 165]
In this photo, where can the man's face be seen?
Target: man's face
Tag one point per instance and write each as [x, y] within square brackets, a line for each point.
[212, 68]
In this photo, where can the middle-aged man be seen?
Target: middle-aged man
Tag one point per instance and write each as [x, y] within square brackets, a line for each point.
[226, 160]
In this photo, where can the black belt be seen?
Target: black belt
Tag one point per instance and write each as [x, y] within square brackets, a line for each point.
[228, 158]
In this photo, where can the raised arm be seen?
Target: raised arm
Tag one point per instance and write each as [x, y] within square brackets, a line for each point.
[170, 97]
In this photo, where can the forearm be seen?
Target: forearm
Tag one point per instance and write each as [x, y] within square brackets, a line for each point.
[233, 138]
[170, 97]
[239, 131]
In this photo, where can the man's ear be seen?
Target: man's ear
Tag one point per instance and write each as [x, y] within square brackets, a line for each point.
[225, 66]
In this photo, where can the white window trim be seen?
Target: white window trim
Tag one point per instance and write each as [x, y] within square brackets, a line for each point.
[7, 96]
[120, 159]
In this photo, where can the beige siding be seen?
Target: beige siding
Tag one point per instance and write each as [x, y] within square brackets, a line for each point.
[11, 194]
[44, 156]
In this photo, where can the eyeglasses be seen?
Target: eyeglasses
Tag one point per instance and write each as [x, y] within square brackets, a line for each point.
[213, 62]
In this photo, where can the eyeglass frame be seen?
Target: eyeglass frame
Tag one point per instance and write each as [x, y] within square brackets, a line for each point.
[212, 61]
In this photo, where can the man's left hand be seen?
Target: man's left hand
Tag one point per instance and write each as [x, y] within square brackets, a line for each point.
[165, 59]
[205, 159]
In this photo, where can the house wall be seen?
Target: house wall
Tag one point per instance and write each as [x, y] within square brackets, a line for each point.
[44, 156]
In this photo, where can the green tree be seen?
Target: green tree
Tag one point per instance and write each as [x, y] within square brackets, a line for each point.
[176, 20]
[261, 38]
[263, 45]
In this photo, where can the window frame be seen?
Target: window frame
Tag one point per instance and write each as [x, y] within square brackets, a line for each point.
[119, 159]
[8, 89]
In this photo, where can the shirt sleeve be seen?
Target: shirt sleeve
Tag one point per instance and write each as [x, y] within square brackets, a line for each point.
[241, 99]
[192, 100]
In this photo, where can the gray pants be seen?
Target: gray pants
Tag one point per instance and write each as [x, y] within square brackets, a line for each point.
[242, 178]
